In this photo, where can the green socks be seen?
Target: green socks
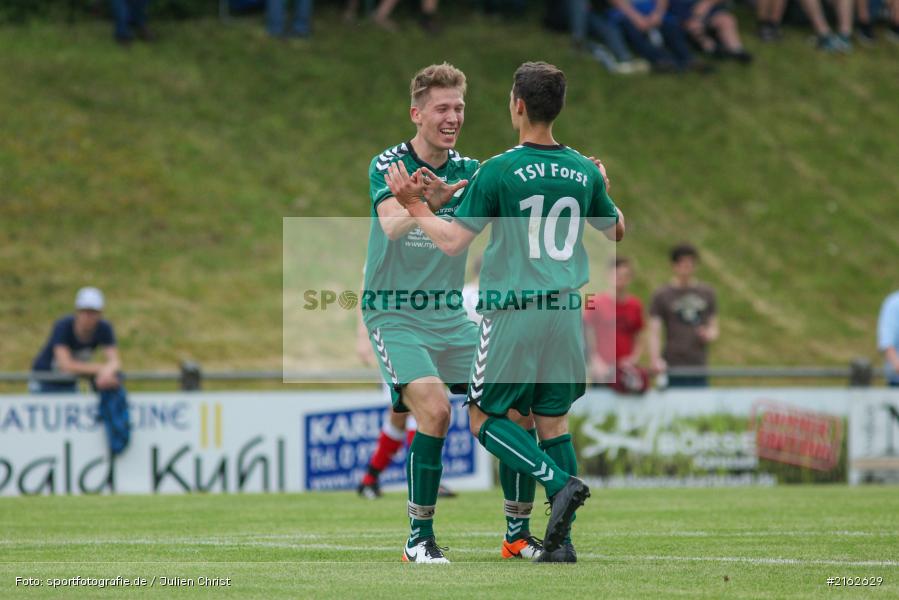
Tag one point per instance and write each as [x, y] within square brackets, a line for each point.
[518, 450]
[518, 492]
[423, 470]
[561, 450]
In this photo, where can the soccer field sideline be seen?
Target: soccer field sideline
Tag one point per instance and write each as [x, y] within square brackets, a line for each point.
[269, 541]
[785, 541]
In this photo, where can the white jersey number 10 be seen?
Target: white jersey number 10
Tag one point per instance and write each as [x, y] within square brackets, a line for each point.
[535, 205]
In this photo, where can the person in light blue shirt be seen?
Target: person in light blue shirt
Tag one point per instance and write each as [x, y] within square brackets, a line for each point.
[888, 337]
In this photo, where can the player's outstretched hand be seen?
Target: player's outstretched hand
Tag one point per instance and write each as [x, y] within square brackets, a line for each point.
[407, 189]
[602, 170]
[436, 191]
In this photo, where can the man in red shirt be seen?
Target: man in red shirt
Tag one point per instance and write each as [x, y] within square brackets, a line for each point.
[612, 326]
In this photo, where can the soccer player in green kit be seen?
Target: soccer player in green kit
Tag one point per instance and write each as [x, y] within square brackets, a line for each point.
[529, 356]
[419, 350]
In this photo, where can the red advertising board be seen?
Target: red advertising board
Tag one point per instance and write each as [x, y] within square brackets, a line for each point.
[797, 437]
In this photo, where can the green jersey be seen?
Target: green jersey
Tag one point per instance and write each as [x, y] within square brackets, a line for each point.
[538, 199]
[411, 277]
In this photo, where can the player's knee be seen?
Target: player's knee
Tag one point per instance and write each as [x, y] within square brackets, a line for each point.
[475, 420]
[437, 414]
[551, 427]
[524, 421]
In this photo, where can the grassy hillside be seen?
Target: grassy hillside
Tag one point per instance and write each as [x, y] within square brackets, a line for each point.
[162, 174]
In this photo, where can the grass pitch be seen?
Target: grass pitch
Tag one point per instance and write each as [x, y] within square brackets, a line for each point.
[698, 543]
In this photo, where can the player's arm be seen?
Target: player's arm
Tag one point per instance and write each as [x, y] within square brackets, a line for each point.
[616, 233]
[364, 349]
[603, 210]
[394, 219]
[451, 237]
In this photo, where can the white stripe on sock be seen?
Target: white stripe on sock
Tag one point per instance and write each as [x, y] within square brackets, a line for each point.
[510, 449]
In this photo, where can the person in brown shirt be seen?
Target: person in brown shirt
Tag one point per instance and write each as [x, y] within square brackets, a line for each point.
[686, 309]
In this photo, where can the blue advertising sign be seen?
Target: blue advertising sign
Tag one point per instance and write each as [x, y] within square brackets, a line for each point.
[339, 445]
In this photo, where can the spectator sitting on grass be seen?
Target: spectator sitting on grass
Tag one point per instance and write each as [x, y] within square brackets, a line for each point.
[130, 18]
[428, 19]
[712, 27]
[770, 14]
[866, 26]
[276, 17]
[655, 36]
[591, 19]
[68, 350]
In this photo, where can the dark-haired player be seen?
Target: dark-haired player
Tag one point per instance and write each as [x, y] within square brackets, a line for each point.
[538, 195]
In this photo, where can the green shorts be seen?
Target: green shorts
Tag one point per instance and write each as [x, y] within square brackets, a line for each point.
[407, 352]
[530, 360]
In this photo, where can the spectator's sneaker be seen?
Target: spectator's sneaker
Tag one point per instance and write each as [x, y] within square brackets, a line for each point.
[664, 67]
[640, 65]
[865, 33]
[563, 505]
[634, 66]
[565, 554]
[844, 40]
[828, 43]
[893, 34]
[369, 491]
[387, 24]
[769, 32]
[430, 24]
[425, 551]
[527, 547]
[603, 56]
[145, 35]
[445, 492]
[741, 56]
[701, 67]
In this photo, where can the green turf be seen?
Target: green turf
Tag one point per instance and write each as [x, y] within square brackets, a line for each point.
[162, 174]
[779, 542]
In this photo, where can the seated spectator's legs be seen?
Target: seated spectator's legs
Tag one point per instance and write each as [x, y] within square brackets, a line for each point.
[815, 13]
[381, 16]
[138, 14]
[121, 17]
[676, 42]
[577, 20]
[641, 44]
[769, 14]
[725, 26]
[274, 17]
[302, 20]
[843, 9]
[611, 35]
